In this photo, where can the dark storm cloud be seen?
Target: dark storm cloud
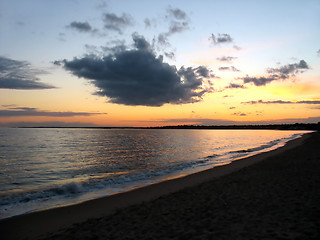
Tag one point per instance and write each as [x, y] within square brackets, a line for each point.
[226, 59]
[138, 77]
[19, 75]
[80, 26]
[117, 23]
[281, 73]
[220, 38]
[25, 111]
[282, 102]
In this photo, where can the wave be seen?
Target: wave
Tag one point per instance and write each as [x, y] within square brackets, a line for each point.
[105, 183]
[251, 151]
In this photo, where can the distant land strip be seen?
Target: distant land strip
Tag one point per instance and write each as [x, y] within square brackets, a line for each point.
[295, 126]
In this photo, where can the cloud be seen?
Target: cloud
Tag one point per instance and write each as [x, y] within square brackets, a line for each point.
[26, 111]
[286, 71]
[222, 122]
[240, 114]
[20, 75]
[221, 38]
[232, 68]
[47, 124]
[62, 37]
[138, 77]
[309, 102]
[199, 121]
[318, 52]
[235, 85]
[147, 23]
[81, 26]
[178, 22]
[177, 27]
[237, 47]
[176, 13]
[204, 72]
[20, 23]
[170, 55]
[267, 102]
[258, 81]
[117, 23]
[283, 102]
[226, 59]
[281, 73]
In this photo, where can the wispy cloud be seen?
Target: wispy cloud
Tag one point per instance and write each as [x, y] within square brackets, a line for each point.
[220, 38]
[178, 21]
[240, 121]
[26, 111]
[231, 68]
[82, 27]
[281, 73]
[240, 114]
[228, 59]
[235, 85]
[117, 23]
[283, 102]
[47, 124]
[16, 74]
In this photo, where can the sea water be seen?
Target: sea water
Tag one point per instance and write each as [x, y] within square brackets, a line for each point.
[44, 168]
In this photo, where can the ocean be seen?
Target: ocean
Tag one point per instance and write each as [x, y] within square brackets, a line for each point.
[44, 168]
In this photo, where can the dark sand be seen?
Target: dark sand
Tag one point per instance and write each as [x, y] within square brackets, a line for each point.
[274, 195]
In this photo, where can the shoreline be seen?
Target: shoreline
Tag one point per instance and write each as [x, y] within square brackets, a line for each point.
[36, 224]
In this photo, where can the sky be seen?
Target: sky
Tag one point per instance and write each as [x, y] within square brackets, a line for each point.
[155, 63]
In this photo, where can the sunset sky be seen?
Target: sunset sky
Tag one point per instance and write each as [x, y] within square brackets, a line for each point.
[155, 63]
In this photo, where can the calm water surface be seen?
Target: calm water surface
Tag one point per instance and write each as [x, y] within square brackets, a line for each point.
[41, 168]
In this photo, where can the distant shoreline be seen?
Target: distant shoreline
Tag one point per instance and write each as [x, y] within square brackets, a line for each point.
[295, 126]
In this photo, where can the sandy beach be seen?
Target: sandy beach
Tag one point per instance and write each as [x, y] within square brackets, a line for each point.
[273, 195]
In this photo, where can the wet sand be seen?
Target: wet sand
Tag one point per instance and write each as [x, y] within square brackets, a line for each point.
[274, 195]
